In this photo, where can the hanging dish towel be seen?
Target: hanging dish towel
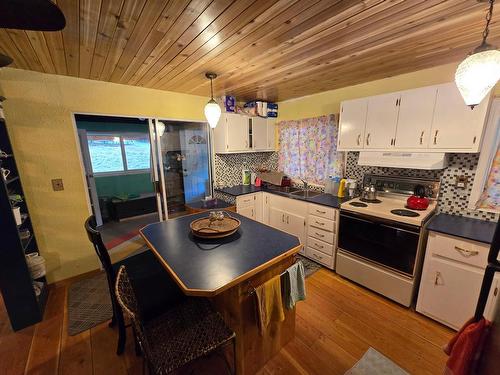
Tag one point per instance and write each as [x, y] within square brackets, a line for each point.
[269, 303]
[465, 347]
[294, 285]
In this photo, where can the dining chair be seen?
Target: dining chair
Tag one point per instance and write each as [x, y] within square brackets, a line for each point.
[155, 288]
[188, 331]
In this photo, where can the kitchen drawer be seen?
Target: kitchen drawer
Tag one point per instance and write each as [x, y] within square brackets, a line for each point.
[319, 257]
[320, 245]
[321, 211]
[468, 252]
[321, 223]
[321, 234]
[245, 200]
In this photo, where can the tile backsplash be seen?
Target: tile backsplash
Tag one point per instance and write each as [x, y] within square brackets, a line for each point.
[228, 167]
[452, 200]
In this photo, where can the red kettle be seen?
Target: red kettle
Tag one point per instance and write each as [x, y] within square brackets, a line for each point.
[418, 201]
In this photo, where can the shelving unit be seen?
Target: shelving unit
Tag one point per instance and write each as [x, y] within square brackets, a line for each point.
[24, 306]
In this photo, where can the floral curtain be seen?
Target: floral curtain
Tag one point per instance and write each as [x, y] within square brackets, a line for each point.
[308, 149]
[490, 198]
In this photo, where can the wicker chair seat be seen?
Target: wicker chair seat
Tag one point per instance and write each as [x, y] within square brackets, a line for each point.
[184, 333]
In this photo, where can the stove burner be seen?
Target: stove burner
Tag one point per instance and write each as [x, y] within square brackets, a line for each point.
[358, 204]
[370, 200]
[408, 213]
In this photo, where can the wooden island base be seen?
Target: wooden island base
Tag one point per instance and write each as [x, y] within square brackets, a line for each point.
[238, 308]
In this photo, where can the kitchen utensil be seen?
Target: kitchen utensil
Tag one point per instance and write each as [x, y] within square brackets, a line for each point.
[218, 225]
[418, 201]
[369, 193]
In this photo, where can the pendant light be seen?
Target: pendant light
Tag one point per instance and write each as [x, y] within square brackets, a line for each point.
[480, 71]
[212, 109]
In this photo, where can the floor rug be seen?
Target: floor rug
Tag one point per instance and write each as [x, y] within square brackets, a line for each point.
[89, 303]
[309, 266]
[121, 239]
[374, 362]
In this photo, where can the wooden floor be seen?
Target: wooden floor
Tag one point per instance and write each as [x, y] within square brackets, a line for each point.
[335, 326]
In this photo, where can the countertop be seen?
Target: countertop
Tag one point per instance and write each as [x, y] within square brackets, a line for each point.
[322, 199]
[464, 227]
[208, 267]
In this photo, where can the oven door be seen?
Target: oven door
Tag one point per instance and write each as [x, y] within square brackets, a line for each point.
[387, 243]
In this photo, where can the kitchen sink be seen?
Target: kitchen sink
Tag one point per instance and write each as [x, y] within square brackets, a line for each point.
[305, 193]
[283, 189]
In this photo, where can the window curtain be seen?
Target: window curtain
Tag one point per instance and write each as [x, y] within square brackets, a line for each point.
[490, 198]
[308, 149]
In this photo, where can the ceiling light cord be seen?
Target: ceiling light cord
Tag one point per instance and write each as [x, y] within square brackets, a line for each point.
[211, 88]
[489, 16]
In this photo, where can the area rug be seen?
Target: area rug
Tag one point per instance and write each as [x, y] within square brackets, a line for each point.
[121, 239]
[309, 266]
[89, 303]
[374, 362]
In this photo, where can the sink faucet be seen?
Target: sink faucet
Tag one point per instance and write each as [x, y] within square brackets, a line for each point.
[306, 185]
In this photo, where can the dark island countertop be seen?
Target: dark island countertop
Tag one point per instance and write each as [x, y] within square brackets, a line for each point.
[323, 199]
[208, 267]
[464, 227]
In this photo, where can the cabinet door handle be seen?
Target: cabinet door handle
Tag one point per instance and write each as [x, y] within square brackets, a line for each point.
[368, 139]
[474, 140]
[436, 278]
[287, 219]
[321, 212]
[359, 139]
[422, 137]
[435, 137]
[319, 234]
[466, 253]
[246, 144]
[317, 222]
[283, 218]
[252, 213]
[318, 245]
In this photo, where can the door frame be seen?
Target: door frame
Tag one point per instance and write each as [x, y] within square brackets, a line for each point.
[145, 117]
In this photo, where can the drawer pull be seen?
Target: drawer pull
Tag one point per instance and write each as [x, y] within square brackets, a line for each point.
[318, 245]
[317, 256]
[317, 222]
[466, 253]
[321, 212]
[319, 234]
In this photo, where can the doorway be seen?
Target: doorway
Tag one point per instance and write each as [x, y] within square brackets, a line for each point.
[139, 171]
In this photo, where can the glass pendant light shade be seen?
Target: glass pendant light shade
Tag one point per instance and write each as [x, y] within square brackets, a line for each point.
[477, 75]
[212, 113]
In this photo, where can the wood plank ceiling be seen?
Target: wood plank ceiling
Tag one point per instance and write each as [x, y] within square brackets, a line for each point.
[268, 49]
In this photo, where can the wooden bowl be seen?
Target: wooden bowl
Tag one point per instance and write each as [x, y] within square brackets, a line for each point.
[219, 229]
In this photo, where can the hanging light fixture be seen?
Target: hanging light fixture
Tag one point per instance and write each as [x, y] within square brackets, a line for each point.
[212, 109]
[480, 71]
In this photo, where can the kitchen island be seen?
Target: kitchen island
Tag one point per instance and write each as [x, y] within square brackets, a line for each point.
[226, 271]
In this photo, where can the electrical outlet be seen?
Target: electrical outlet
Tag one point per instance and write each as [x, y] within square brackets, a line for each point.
[461, 181]
[57, 184]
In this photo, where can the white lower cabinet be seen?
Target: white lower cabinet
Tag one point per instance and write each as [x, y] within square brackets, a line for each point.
[451, 279]
[313, 224]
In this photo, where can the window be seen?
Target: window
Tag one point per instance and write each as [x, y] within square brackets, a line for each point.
[114, 153]
[308, 149]
[485, 194]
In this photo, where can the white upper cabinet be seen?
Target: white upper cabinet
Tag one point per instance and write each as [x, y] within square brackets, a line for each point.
[428, 119]
[240, 133]
[381, 121]
[258, 126]
[352, 124]
[416, 110]
[271, 131]
[456, 125]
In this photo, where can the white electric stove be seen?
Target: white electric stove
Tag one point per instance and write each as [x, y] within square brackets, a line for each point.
[381, 243]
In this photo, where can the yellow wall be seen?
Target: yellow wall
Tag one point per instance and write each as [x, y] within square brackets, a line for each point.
[38, 111]
[329, 101]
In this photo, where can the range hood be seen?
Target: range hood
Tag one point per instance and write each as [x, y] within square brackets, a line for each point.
[411, 160]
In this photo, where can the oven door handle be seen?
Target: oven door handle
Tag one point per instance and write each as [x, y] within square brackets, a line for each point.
[357, 218]
[401, 229]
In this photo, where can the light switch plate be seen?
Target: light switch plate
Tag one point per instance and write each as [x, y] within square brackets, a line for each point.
[57, 184]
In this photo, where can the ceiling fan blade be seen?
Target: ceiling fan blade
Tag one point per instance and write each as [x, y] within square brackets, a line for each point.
[5, 60]
[40, 15]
